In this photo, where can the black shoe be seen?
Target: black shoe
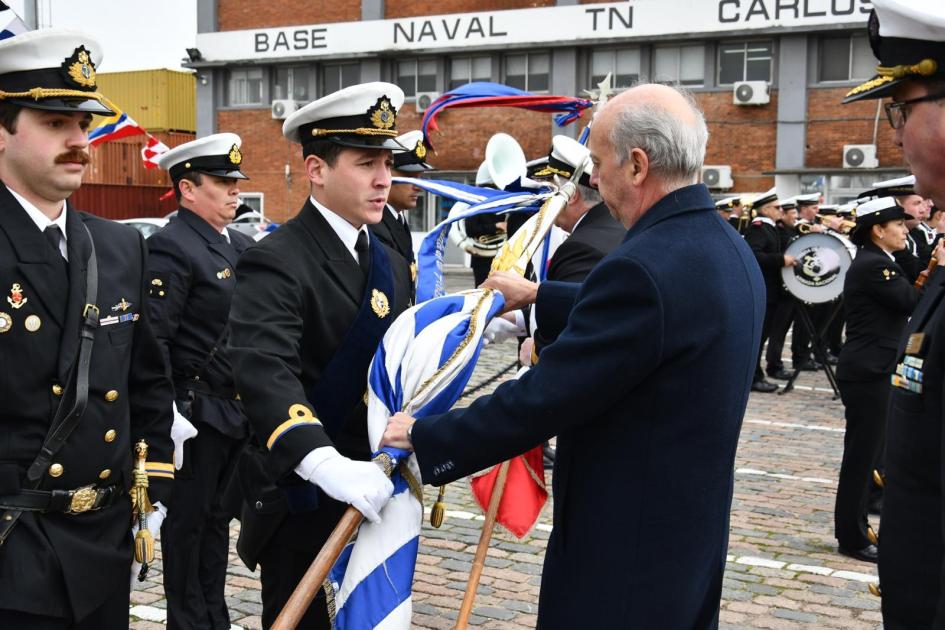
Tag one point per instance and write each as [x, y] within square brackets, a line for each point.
[809, 366]
[832, 359]
[781, 374]
[764, 387]
[869, 553]
[548, 457]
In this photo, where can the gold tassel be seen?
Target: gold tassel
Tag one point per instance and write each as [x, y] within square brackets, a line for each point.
[141, 507]
[875, 590]
[871, 535]
[438, 512]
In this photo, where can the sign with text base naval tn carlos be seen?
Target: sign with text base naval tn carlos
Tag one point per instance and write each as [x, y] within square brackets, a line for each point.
[628, 20]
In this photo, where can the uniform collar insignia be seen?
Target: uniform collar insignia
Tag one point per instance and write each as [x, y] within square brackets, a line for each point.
[79, 69]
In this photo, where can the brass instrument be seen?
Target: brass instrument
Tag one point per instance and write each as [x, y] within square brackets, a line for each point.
[846, 226]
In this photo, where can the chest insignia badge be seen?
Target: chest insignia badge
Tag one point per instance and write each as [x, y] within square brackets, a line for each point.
[124, 305]
[6, 322]
[16, 299]
[33, 323]
[379, 303]
[224, 274]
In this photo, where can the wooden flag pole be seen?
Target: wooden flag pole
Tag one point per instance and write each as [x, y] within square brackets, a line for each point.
[479, 561]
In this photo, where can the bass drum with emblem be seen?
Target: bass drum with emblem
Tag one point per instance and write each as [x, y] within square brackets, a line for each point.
[823, 260]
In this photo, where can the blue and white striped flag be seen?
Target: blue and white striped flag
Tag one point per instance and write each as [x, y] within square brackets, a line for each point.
[10, 23]
[421, 368]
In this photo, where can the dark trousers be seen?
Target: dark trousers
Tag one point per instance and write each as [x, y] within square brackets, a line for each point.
[780, 324]
[111, 615]
[195, 536]
[287, 557]
[800, 338]
[770, 310]
[481, 265]
[865, 404]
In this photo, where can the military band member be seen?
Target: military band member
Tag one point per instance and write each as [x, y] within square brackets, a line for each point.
[191, 269]
[66, 552]
[394, 228]
[903, 189]
[912, 72]
[765, 242]
[878, 300]
[808, 207]
[784, 311]
[487, 226]
[312, 302]
[730, 210]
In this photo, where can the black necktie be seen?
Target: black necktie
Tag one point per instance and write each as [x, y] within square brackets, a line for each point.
[403, 223]
[361, 247]
[54, 236]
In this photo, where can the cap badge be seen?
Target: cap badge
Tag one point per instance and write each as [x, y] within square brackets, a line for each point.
[383, 116]
[235, 156]
[79, 68]
[16, 299]
[379, 303]
[420, 151]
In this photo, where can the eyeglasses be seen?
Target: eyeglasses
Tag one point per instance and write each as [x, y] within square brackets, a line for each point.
[896, 111]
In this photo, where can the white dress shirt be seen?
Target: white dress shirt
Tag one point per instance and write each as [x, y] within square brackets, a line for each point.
[42, 221]
[345, 231]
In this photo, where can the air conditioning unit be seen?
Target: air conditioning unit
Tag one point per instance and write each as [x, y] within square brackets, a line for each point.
[717, 176]
[859, 156]
[425, 99]
[751, 93]
[282, 108]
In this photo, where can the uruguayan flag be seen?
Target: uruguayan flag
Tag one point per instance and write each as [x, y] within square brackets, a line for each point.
[421, 368]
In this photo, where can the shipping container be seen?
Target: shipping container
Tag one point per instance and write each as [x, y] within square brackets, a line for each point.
[120, 162]
[123, 202]
[158, 100]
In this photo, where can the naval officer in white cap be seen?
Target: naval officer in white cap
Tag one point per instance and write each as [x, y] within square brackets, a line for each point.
[82, 378]
[191, 270]
[312, 302]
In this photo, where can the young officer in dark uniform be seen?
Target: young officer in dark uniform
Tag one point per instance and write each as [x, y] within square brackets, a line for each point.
[191, 270]
[312, 302]
[394, 229]
[878, 300]
[762, 236]
[66, 552]
[911, 560]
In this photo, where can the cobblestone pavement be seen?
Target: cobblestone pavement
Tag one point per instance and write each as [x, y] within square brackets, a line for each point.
[782, 572]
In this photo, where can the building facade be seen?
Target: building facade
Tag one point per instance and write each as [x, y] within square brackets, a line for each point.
[769, 74]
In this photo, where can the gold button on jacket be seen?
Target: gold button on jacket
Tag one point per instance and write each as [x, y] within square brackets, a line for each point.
[57, 389]
[110, 435]
[55, 470]
[111, 395]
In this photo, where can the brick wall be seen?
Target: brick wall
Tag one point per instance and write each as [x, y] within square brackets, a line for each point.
[234, 15]
[831, 125]
[742, 137]
[412, 8]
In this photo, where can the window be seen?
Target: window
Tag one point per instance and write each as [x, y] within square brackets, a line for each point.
[465, 70]
[682, 65]
[244, 86]
[292, 82]
[744, 61]
[622, 64]
[416, 75]
[528, 72]
[253, 200]
[339, 75]
[846, 58]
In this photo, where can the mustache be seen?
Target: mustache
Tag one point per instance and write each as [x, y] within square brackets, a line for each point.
[80, 157]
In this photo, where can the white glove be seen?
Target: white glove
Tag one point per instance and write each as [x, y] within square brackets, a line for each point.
[181, 431]
[501, 329]
[155, 520]
[361, 484]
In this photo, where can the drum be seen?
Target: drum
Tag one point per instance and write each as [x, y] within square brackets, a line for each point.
[823, 259]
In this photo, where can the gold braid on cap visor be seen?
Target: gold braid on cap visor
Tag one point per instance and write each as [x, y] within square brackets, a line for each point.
[925, 68]
[361, 131]
[40, 93]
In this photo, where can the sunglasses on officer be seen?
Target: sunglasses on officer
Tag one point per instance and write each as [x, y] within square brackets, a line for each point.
[897, 111]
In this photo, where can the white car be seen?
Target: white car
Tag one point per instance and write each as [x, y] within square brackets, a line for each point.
[146, 225]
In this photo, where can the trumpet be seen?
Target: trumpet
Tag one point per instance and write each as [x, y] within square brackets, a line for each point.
[845, 227]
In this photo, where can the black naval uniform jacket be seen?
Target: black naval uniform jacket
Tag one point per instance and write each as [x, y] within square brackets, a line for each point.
[595, 236]
[877, 300]
[911, 553]
[396, 236]
[297, 294]
[56, 564]
[765, 241]
[192, 276]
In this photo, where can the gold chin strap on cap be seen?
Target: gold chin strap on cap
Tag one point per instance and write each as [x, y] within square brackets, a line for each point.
[925, 68]
[361, 131]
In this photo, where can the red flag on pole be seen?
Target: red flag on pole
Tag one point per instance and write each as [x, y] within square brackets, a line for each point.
[525, 492]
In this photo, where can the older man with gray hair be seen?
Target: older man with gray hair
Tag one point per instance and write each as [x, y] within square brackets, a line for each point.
[643, 477]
